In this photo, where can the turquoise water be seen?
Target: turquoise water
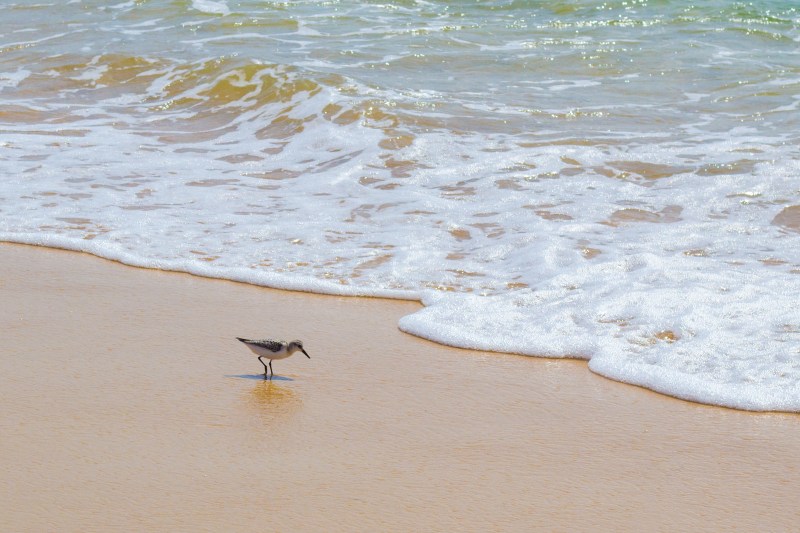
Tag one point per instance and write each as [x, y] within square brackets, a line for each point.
[613, 181]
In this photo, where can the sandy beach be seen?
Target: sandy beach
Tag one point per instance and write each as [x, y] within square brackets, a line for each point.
[128, 405]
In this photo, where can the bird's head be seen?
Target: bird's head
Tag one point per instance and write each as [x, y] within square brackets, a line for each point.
[298, 345]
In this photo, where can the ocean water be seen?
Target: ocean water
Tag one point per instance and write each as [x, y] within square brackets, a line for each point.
[616, 181]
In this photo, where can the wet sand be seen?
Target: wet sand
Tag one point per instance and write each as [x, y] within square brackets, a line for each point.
[128, 405]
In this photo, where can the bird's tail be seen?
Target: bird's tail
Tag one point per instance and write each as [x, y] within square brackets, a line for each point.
[241, 339]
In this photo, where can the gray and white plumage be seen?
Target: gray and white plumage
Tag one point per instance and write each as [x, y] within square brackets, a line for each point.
[273, 349]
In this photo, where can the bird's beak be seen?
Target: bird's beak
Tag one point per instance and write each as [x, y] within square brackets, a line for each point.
[302, 350]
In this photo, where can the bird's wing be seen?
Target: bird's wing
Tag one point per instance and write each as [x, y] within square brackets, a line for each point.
[269, 344]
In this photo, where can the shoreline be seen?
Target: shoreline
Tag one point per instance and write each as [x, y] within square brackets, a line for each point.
[662, 384]
[138, 409]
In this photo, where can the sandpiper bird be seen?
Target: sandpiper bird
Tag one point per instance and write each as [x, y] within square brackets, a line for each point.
[273, 350]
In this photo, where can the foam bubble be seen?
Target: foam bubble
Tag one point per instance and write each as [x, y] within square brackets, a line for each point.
[219, 7]
[12, 79]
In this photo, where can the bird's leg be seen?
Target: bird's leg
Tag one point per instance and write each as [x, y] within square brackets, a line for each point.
[265, 366]
[270, 368]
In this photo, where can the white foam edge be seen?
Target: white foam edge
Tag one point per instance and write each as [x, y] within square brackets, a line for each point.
[686, 386]
[273, 280]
